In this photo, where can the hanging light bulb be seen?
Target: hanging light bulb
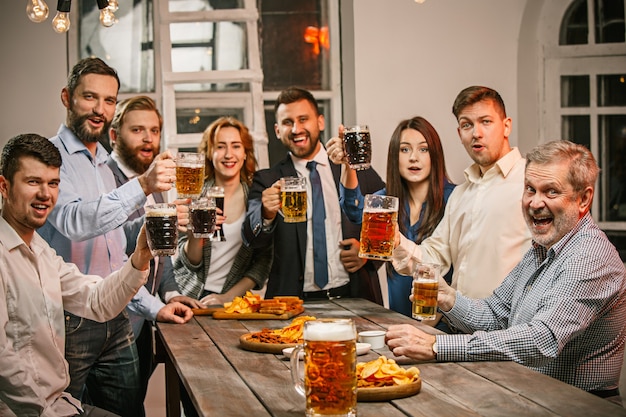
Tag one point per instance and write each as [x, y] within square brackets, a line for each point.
[37, 10]
[113, 5]
[107, 18]
[61, 22]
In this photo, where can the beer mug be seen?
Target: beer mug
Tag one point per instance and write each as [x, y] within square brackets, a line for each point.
[378, 228]
[217, 192]
[357, 145]
[293, 199]
[161, 229]
[202, 217]
[425, 290]
[189, 174]
[330, 382]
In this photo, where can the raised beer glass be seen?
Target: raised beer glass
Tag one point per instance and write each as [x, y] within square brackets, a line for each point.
[162, 229]
[425, 290]
[217, 193]
[189, 174]
[293, 199]
[357, 144]
[378, 228]
[330, 382]
[202, 216]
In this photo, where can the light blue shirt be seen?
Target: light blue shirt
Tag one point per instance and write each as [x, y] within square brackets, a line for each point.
[85, 225]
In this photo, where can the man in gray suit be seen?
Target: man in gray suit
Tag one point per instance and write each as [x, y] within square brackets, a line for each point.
[135, 139]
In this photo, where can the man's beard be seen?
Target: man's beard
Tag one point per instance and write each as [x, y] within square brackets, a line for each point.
[78, 125]
[128, 155]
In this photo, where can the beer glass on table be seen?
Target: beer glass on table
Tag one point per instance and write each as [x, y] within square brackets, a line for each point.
[425, 290]
[202, 217]
[161, 229]
[378, 228]
[330, 382]
[293, 199]
[217, 193]
[189, 174]
[357, 145]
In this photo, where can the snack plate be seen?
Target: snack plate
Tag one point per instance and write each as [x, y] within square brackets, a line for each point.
[247, 343]
[388, 393]
[222, 315]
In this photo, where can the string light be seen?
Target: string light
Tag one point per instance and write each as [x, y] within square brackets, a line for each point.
[37, 11]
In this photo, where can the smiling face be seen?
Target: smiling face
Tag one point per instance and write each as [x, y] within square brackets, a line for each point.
[551, 206]
[29, 198]
[298, 127]
[229, 153]
[138, 139]
[414, 159]
[91, 107]
[484, 133]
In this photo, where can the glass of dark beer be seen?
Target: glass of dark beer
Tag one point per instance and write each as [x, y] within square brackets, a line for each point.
[217, 193]
[378, 228]
[357, 144]
[202, 217]
[330, 381]
[162, 229]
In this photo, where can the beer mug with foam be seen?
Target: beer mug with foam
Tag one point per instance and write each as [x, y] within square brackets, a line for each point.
[330, 381]
[378, 229]
[425, 290]
[293, 199]
[162, 229]
[189, 174]
[357, 145]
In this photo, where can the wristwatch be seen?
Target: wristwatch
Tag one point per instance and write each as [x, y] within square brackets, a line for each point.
[435, 348]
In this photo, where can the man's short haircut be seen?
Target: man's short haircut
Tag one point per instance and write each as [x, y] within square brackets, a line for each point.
[583, 169]
[474, 94]
[293, 94]
[131, 104]
[89, 66]
[28, 144]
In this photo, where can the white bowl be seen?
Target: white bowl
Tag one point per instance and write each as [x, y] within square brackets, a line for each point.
[361, 349]
[376, 338]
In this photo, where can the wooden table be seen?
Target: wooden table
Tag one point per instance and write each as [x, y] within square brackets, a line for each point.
[225, 380]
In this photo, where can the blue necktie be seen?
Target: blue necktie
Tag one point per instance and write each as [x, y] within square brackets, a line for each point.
[320, 262]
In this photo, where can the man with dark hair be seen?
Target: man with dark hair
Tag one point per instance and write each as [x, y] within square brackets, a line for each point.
[85, 228]
[482, 232]
[298, 126]
[36, 285]
[135, 139]
[561, 310]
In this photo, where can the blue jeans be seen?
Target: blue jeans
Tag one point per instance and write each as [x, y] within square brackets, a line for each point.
[103, 364]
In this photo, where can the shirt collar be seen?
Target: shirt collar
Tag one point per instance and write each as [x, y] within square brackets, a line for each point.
[74, 145]
[321, 157]
[504, 166]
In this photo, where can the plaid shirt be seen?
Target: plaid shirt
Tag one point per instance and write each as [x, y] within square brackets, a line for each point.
[560, 312]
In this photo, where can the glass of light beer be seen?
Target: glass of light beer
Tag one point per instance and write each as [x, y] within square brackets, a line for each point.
[293, 199]
[189, 174]
[217, 192]
[357, 145]
[425, 289]
[378, 228]
[330, 382]
[162, 229]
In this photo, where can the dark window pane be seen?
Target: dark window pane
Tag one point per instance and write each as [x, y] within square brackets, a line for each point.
[294, 44]
[575, 26]
[577, 129]
[618, 238]
[574, 91]
[609, 21]
[612, 90]
[197, 120]
[612, 133]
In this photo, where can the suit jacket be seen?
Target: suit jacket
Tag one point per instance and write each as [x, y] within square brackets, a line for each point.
[164, 281]
[289, 239]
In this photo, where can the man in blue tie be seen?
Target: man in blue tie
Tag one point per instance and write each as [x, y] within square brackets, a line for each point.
[317, 259]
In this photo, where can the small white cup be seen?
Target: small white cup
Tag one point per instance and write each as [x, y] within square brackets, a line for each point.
[376, 338]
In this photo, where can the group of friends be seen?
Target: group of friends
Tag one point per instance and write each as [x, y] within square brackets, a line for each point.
[529, 276]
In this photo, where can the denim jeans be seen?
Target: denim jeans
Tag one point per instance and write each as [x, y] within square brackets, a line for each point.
[103, 364]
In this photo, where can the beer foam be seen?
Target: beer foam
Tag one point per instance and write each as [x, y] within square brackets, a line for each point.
[329, 332]
[161, 212]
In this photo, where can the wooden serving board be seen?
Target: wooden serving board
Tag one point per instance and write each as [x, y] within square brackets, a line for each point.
[206, 311]
[388, 393]
[247, 343]
[222, 315]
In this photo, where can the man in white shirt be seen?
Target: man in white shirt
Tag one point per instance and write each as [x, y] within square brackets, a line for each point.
[36, 285]
[482, 233]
